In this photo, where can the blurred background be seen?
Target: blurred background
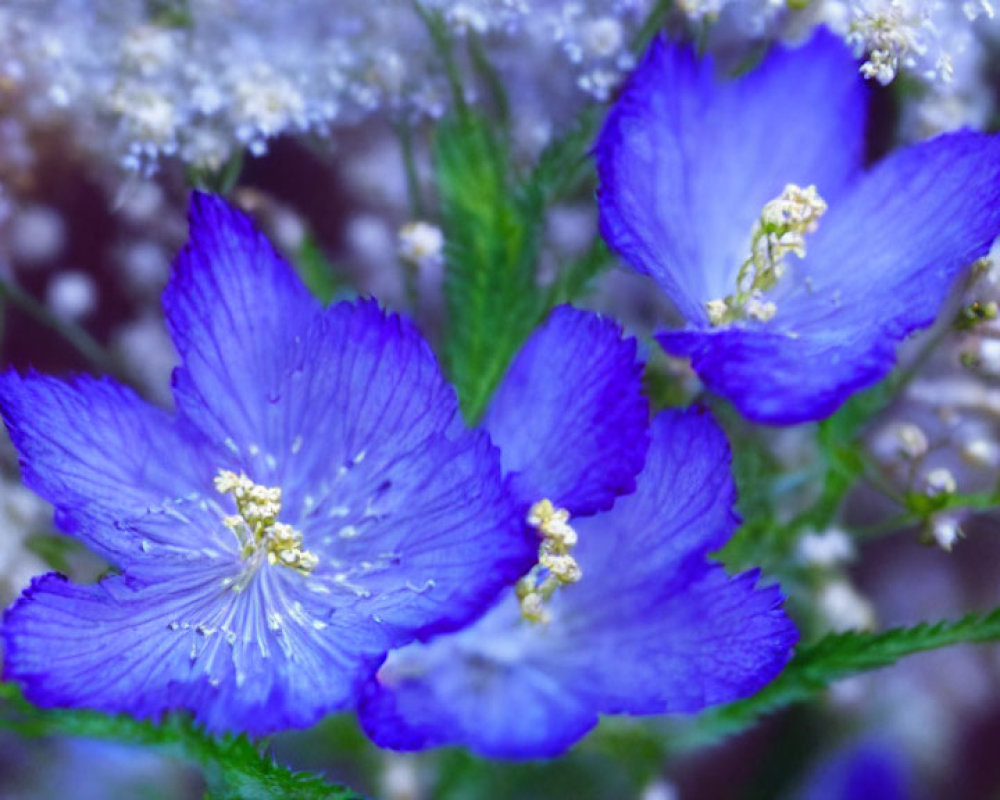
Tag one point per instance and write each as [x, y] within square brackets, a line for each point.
[318, 119]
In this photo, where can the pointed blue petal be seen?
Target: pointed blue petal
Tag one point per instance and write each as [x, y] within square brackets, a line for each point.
[368, 390]
[99, 453]
[237, 313]
[256, 661]
[436, 535]
[681, 511]
[879, 267]
[385, 483]
[569, 417]
[689, 635]
[687, 159]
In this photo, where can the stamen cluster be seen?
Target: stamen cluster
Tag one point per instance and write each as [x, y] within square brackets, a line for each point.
[556, 566]
[256, 526]
[780, 231]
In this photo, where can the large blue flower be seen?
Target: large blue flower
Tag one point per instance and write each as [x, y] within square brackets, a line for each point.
[717, 189]
[314, 502]
[641, 624]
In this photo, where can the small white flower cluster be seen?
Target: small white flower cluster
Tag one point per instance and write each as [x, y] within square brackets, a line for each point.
[923, 36]
[201, 80]
[780, 231]
[940, 43]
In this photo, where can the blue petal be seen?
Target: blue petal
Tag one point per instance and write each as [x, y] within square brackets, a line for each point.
[99, 453]
[368, 390]
[255, 661]
[681, 511]
[687, 160]
[666, 630]
[652, 626]
[238, 316]
[879, 267]
[715, 640]
[864, 770]
[511, 705]
[385, 482]
[569, 417]
[432, 539]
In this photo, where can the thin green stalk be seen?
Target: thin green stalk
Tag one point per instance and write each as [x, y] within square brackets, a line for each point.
[82, 342]
[414, 196]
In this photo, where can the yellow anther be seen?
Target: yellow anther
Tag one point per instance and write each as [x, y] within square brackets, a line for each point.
[555, 567]
[256, 525]
[780, 231]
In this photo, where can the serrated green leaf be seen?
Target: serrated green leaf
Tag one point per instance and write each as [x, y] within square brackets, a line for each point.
[56, 550]
[493, 226]
[816, 666]
[565, 165]
[233, 767]
[576, 278]
[317, 272]
[491, 243]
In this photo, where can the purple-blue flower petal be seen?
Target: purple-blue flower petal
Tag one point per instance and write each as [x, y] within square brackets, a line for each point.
[454, 690]
[411, 523]
[569, 417]
[187, 643]
[687, 159]
[878, 267]
[652, 626]
[98, 452]
[863, 770]
[238, 315]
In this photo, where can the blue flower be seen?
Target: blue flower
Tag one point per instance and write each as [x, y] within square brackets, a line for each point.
[623, 614]
[868, 769]
[314, 501]
[796, 270]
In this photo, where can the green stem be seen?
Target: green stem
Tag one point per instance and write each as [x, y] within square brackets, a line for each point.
[442, 41]
[413, 193]
[85, 344]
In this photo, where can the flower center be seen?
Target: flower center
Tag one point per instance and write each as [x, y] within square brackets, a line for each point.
[555, 567]
[257, 528]
[781, 229]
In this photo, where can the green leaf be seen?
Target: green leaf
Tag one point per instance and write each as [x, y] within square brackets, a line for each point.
[233, 767]
[317, 273]
[565, 166]
[491, 242]
[493, 224]
[218, 181]
[577, 277]
[817, 665]
[56, 550]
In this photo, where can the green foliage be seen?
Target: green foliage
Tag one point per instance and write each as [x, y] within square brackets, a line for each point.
[317, 273]
[218, 181]
[564, 166]
[765, 540]
[233, 767]
[493, 224]
[576, 278]
[56, 550]
[491, 245]
[586, 773]
[817, 665]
